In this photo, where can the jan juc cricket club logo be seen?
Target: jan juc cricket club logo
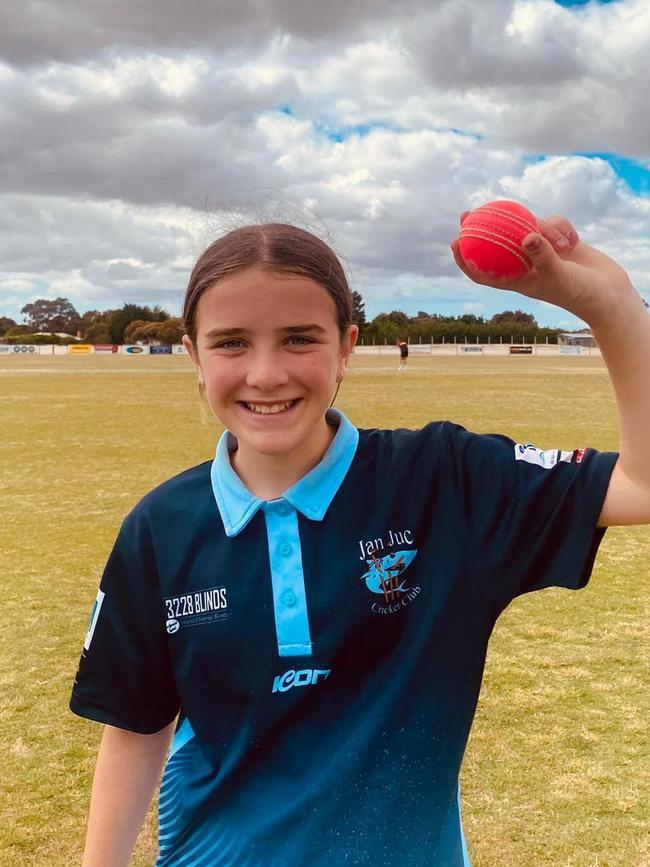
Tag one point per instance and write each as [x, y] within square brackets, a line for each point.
[385, 577]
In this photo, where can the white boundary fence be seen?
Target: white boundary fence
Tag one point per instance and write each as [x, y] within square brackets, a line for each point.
[23, 350]
[423, 349]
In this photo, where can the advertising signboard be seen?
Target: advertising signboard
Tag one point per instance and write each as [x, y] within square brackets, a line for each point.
[80, 348]
[106, 348]
[179, 349]
[24, 349]
[521, 350]
[472, 350]
[4, 349]
[132, 349]
[160, 350]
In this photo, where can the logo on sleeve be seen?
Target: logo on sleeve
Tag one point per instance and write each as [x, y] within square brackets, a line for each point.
[385, 577]
[94, 617]
[195, 609]
[547, 459]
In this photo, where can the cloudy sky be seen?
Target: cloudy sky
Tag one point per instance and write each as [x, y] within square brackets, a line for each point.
[134, 132]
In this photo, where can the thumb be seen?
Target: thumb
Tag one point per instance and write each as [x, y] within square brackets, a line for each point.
[540, 251]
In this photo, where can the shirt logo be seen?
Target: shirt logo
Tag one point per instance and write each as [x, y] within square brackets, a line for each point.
[306, 677]
[94, 617]
[547, 459]
[195, 609]
[385, 577]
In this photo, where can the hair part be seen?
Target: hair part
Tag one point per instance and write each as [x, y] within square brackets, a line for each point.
[277, 247]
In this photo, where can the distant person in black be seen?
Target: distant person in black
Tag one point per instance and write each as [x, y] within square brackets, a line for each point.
[403, 354]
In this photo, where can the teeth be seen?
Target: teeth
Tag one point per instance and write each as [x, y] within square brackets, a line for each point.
[266, 408]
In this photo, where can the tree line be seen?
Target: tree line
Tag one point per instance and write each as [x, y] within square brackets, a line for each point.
[57, 321]
[508, 326]
[46, 318]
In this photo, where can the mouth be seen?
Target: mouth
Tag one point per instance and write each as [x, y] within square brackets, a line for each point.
[276, 408]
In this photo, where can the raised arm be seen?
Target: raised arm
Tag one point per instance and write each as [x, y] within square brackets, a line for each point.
[128, 769]
[572, 275]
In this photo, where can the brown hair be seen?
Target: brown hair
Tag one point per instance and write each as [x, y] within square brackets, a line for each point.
[278, 247]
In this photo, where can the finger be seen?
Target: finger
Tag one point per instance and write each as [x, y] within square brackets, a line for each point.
[559, 231]
[463, 216]
[541, 252]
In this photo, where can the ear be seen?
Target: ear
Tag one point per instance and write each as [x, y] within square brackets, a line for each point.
[193, 354]
[349, 342]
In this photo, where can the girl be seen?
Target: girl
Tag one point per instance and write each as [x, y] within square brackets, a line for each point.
[309, 613]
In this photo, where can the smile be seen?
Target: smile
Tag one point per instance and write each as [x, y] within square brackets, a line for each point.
[269, 408]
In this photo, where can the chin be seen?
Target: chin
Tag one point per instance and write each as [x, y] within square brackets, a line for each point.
[269, 445]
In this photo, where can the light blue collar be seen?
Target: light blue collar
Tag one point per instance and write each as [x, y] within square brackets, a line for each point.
[310, 495]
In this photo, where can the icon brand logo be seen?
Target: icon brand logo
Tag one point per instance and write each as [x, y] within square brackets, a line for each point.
[284, 682]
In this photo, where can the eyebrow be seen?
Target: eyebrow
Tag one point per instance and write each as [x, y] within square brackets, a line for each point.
[290, 329]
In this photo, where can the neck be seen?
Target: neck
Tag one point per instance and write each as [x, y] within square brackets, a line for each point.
[269, 476]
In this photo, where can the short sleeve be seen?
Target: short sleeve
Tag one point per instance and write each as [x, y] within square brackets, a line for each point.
[125, 677]
[531, 514]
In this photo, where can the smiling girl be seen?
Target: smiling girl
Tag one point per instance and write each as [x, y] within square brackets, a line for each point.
[308, 614]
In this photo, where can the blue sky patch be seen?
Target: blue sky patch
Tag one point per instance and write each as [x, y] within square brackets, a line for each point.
[360, 130]
[569, 3]
[635, 174]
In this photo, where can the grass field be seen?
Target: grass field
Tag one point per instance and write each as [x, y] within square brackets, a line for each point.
[557, 770]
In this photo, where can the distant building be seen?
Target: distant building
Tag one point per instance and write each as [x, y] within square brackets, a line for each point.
[57, 334]
[577, 338]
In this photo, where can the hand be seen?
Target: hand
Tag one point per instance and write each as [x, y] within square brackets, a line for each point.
[566, 271]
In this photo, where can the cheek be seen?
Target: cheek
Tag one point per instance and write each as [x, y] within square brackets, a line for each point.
[219, 378]
[322, 371]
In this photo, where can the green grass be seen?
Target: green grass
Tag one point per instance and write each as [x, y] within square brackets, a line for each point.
[556, 771]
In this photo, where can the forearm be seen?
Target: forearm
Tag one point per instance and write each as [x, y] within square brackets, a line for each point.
[623, 335]
[127, 772]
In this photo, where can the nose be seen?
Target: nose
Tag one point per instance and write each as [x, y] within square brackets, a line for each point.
[266, 371]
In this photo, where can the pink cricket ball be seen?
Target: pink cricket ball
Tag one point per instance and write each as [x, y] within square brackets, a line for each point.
[491, 237]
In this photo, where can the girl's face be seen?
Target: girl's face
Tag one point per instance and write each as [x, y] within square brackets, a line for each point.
[270, 353]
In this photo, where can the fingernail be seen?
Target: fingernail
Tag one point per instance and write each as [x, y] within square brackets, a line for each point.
[533, 245]
[561, 243]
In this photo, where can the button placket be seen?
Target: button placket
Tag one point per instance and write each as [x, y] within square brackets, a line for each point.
[288, 582]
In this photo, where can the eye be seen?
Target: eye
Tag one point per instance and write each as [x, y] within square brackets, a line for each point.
[299, 340]
[233, 343]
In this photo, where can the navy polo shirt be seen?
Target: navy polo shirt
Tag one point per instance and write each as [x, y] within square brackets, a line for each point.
[324, 651]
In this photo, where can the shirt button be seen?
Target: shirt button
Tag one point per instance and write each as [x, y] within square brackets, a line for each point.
[289, 598]
[285, 549]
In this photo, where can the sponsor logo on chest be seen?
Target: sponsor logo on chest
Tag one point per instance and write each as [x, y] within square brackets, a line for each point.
[195, 609]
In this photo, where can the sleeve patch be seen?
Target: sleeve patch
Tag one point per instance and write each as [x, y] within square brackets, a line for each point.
[93, 619]
[542, 458]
